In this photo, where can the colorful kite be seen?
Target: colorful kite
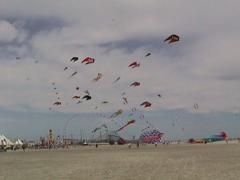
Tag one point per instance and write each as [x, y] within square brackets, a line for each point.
[88, 60]
[127, 124]
[146, 104]
[134, 65]
[151, 137]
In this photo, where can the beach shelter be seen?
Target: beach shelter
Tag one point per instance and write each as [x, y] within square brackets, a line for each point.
[18, 142]
[5, 141]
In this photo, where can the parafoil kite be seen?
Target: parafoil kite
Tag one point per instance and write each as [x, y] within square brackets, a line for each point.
[172, 39]
[146, 104]
[195, 106]
[58, 103]
[87, 97]
[73, 74]
[88, 60]
[135, 84]
[104, 102]
[120, 111]
[98, 128]
[134, 65]
[127, 124]
[125, 101]
[118, 78]
[76, 97]
[74, 59]
[148, 54]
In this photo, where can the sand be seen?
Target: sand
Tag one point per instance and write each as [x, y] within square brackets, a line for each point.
[175, 162]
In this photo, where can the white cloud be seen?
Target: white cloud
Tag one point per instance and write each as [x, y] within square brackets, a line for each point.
[8, 32]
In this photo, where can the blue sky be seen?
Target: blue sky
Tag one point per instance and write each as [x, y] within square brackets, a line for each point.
[202, 68]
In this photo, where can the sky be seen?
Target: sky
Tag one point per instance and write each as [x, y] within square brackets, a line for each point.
[38, 39]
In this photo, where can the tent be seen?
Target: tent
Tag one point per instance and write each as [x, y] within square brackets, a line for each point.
[5, 142]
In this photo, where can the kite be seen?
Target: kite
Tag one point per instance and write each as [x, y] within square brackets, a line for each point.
[116, 80]
[134, 64]
[151, 137]
[172, 39]
[77, 88]
[159, 95]
[65, 68]
[88, 60]
[87, 97]
[135, 84]
[128, 123]
[99, 76]
[125, 101]
[195, 106]
[104, 102]
[74, 59]
[146, 104]
[57, 103]
[98, 128]
[76, 97]
[148, 54]
[73, 74]
[120, 111]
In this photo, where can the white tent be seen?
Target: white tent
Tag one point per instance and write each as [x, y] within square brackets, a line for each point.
[5, 141]
[19, 142]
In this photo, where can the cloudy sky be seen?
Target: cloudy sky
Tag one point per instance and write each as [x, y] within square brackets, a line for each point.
[38, 38]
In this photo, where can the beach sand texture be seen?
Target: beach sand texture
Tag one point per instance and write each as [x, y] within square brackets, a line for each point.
[165, 162]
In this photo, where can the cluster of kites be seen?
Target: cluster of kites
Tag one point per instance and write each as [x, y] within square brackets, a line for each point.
[149, 133]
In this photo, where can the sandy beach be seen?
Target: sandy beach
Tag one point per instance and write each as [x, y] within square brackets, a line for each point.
[167, 162]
